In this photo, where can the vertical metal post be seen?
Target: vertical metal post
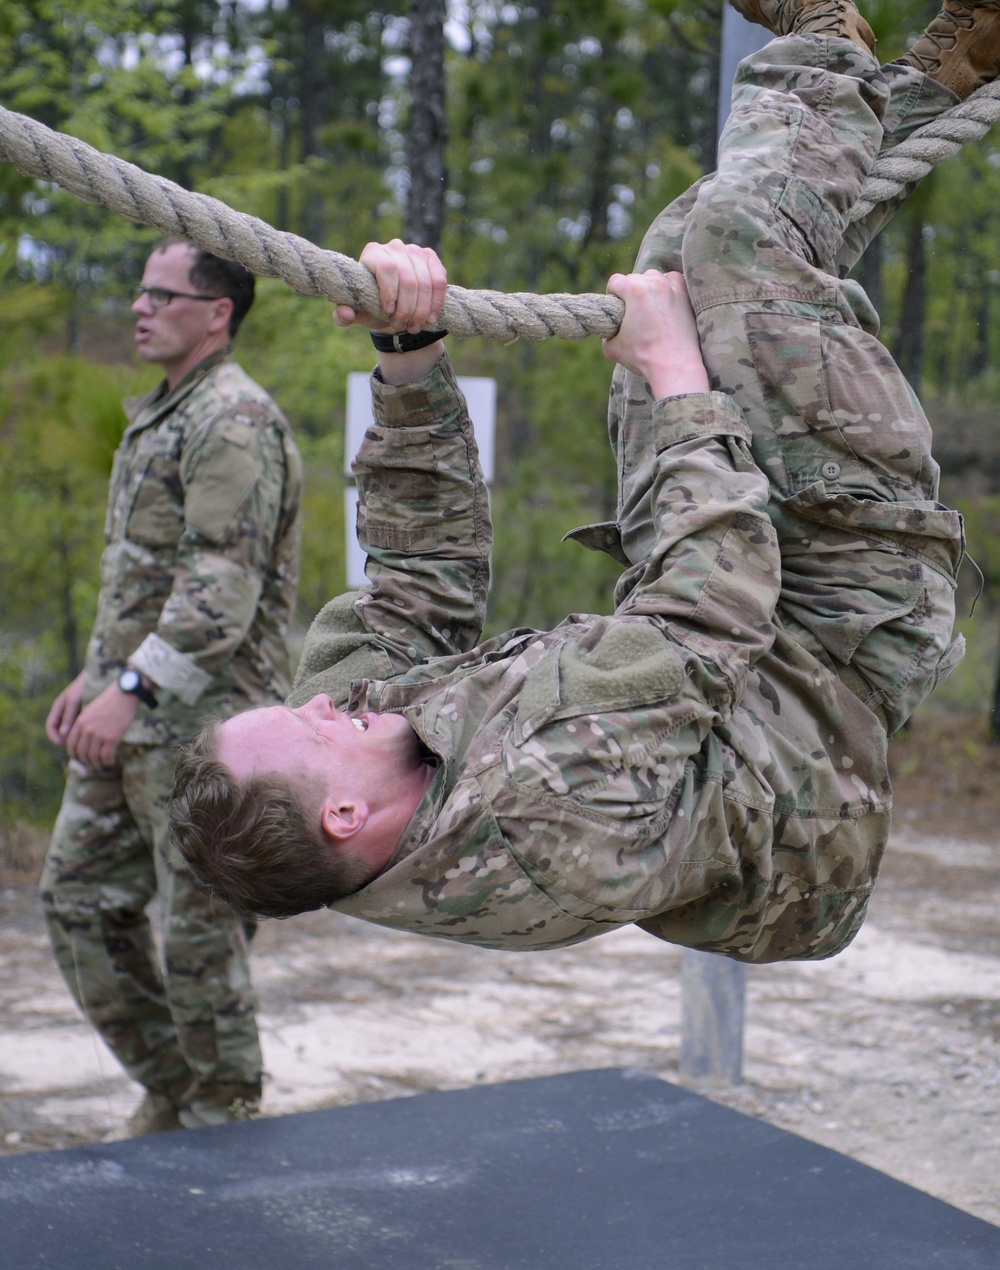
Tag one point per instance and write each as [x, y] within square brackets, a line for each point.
[712, 1005]
[740, 38]
[714, 988]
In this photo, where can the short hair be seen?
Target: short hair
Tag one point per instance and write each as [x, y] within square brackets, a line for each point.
[252, 843]
[219, 277]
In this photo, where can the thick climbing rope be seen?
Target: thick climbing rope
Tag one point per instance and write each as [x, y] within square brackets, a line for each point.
[127, 190]
[944, 136]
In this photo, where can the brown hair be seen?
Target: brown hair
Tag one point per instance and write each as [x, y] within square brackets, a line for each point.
[252, 843]
[219, 277]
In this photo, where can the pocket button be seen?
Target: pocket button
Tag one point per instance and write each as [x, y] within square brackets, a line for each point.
[831, 471]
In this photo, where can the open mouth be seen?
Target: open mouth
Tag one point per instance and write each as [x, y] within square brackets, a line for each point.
[360, 724]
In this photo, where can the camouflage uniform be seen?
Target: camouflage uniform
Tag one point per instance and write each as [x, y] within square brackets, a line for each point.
[198, 582]
[836, 427]
[710, 761]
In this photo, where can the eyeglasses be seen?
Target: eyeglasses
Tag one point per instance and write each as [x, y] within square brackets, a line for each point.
[160, 297]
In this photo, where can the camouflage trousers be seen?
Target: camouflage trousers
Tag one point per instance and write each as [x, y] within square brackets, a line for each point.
[869, 558]
[184, 1024]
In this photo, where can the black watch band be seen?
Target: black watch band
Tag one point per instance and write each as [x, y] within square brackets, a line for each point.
[130, 681]
[389, 342]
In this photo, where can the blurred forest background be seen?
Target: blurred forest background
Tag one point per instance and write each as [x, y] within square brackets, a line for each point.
[568, 124]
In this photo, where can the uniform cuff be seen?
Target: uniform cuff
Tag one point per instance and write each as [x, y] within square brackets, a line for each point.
[169, 669]
[698, 414]
[418, 404]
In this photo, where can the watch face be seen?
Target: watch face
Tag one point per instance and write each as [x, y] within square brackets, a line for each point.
[128, 680]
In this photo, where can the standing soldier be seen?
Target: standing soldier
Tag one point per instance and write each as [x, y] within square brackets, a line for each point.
[198, 582]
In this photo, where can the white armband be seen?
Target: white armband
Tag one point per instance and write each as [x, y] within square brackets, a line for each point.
[170, 669]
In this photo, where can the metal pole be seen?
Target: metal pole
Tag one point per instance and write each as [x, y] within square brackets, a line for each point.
[714, 988]
[712, 1004]
[740, 38]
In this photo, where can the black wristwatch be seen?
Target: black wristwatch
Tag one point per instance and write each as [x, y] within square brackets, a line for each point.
[130, 681]
[403, 342]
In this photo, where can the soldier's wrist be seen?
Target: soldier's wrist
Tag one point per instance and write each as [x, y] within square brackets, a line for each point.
[135, 684]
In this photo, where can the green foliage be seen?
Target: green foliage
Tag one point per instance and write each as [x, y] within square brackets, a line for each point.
[897, 23]
[322, 573]
[62, 419]
[26, 311]
[982, 531]
[293, 348]
[561, 147]
[969, 690]
[136, 79]
[290, 344]
[539, 579]
[555, 471]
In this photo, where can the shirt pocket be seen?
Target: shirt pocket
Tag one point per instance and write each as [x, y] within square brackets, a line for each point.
[874, 583]
[838, 409]
[604, 727]
[590, 865]
[222, 479]
[612, 664]
[596, 767]
[154, 507]
[399, 507]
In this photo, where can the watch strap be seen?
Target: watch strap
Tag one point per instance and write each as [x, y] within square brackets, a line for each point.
[135, 687]
[403, 342]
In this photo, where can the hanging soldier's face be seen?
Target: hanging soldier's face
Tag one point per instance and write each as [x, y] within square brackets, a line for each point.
[367, 757]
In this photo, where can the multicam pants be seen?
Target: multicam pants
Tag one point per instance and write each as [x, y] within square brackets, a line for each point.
[869, 557]
[189, 1030]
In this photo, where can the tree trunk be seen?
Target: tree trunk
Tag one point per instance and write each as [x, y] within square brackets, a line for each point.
[428, 125]
[910, 352]
[312, 86]
[869, 272]
[995, 715]
[600, 180]
[979, 356]
[70, 630]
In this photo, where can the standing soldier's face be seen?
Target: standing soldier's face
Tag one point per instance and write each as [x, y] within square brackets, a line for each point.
[176, 324]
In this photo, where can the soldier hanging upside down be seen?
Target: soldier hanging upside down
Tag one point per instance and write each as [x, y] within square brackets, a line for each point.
[709, 760]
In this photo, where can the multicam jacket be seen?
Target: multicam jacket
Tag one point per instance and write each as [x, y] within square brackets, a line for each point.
[598, 774]
[200, 565]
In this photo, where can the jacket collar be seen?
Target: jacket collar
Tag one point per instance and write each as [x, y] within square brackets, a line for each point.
[150, 407]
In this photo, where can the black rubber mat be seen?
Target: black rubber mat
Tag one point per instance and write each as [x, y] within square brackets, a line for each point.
[595, 1170]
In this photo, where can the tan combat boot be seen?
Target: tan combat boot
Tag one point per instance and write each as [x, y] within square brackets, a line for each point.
[155, 1114]
[837, 18]
[961, 47]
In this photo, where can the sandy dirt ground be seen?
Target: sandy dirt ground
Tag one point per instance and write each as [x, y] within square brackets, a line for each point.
[888, 1053]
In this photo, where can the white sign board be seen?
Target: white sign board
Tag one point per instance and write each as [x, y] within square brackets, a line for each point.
[480, 393]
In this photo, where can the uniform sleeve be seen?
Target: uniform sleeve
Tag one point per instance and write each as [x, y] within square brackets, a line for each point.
[233, 479]
[423, 519]
[614, 724]
[424, 524]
